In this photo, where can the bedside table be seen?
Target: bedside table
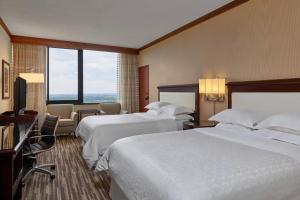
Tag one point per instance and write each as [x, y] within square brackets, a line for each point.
[203, 124]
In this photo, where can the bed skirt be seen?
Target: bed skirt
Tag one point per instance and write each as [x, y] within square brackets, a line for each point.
[115, 192]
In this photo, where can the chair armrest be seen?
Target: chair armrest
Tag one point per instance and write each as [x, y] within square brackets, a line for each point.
[74, 116]
[39, 137]
[35, 138]
[124, 112]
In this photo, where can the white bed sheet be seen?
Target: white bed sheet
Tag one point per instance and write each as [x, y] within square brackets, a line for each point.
[223, 163]
[98, 132]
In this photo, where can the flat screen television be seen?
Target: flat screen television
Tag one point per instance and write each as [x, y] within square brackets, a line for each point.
[20, 90]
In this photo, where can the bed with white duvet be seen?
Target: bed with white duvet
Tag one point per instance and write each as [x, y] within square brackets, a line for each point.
[228, 162]
[98, 132]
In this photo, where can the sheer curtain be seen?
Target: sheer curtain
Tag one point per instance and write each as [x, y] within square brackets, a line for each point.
[31, 58]
[128, 82]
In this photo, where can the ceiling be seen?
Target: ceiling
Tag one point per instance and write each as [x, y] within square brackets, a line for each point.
[126, 23]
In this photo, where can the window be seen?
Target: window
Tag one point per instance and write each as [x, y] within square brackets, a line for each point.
[63, 74]
[81, 76]
[99, 76]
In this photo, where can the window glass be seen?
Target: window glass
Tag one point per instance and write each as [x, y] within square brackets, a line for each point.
[99, 76]
[63, 74]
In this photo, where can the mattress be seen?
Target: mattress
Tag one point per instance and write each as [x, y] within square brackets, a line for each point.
[222, 163]
[98, 132]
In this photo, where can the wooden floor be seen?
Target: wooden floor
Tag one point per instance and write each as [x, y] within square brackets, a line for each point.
[73, 179]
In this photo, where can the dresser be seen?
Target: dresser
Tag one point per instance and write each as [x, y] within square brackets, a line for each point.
[14, 131]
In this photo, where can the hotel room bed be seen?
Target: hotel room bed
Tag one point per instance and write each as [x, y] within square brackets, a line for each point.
[98, 132]
[204, 164]
[227, 162]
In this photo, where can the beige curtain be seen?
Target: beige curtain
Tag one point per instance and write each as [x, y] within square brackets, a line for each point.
[128, 82]
[31, 58]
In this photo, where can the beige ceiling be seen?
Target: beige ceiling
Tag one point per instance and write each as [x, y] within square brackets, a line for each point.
[127, 23]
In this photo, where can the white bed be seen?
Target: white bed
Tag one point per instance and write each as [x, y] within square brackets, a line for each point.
[98, 132]
[204, 164]
[227, 162]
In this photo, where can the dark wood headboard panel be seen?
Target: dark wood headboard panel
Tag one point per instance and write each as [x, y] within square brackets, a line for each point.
[184, 88]
[279, 85]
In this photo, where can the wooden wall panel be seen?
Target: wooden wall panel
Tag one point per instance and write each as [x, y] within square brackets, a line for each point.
[72, 45]
[5, 28]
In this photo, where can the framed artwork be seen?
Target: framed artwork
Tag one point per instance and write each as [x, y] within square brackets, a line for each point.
[5, 80]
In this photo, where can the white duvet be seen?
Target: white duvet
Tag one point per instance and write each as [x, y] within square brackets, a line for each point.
[98, 132]
[222, 163]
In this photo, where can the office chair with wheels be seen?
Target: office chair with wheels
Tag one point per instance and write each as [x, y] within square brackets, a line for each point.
[39, 144]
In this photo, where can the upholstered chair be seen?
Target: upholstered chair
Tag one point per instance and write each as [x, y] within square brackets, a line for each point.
[111, 109]
[68, 118]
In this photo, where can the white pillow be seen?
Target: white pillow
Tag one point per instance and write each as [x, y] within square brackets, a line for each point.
[156, 105]
[153, 112]
[286, 130]
[279, 135]
[183, 117]
[175, 110]
[284, 122]
[239, 117]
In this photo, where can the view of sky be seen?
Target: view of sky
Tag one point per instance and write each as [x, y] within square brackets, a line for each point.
[99, 71]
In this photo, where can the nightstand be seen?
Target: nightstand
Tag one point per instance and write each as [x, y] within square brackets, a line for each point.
[202, 124]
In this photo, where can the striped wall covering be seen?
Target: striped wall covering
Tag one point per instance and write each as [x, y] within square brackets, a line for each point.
[73, 179]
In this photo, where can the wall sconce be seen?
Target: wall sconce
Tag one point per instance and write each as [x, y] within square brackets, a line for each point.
[213, 89]
[33, 77]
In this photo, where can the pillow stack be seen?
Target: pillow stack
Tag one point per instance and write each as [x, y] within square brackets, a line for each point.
[246, 118]
[174, 111]
[156, 105]
[284, 122]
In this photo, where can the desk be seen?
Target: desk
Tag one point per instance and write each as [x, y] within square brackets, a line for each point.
[14, 131]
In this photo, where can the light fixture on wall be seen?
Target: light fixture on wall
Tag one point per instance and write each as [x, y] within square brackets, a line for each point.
[213, 89]
[33, 77]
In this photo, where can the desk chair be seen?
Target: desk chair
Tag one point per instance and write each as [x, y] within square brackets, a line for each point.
[39, 144]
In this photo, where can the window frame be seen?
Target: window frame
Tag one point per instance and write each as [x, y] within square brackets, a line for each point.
[80, 99]
[79, 81]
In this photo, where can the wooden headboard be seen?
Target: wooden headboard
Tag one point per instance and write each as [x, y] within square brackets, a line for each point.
[281, 92]
[175, 92]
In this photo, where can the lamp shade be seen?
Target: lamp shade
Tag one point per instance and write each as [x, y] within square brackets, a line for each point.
[33, 77]
[202, 86]
[212, 86]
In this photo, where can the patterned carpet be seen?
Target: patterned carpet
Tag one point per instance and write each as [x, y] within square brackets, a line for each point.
[73, 179]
